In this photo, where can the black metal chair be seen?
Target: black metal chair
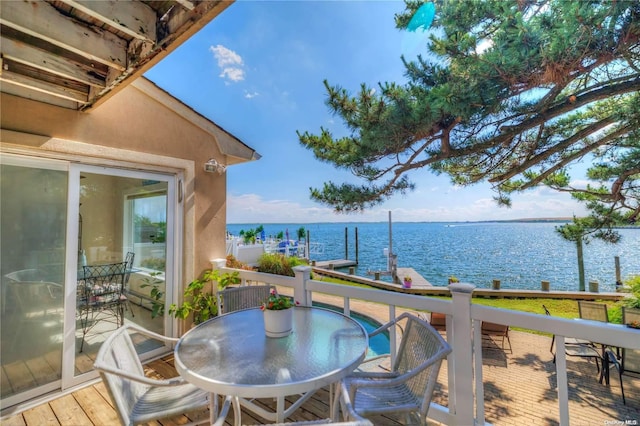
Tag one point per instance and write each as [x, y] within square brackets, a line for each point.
[629, 361]
[100, 296]
[577, 348]
[128, 259]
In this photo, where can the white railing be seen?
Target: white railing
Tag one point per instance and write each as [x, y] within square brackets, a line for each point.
[466, 357]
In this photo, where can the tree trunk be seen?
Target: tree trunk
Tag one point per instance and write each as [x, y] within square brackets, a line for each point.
[580, 265]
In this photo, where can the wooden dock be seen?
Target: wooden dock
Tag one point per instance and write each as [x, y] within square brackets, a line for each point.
[438, 290]
[417, 280]
[335, 264]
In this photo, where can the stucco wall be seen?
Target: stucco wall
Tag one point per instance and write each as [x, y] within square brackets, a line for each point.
[128, 123]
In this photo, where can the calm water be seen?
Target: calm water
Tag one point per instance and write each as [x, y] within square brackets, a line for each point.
[518, 254]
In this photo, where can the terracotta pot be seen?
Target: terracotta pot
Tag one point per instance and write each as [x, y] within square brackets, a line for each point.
[278, 323]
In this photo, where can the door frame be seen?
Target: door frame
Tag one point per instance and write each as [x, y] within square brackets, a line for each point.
[172, 269]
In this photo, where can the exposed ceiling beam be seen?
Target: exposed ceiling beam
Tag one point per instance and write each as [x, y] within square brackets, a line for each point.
[133, 18]
[43, 21]
[45, 61]
[78, 53]
[42, 87]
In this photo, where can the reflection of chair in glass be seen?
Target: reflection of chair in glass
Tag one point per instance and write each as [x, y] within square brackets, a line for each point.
[17, 276]
[100, 296]
[406, 389]
[629, 361]
[29, 303]
[140, 399]
[245, 297]
[489, 330]
[576, 347]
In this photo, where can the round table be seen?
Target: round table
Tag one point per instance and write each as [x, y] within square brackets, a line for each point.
[231, 355]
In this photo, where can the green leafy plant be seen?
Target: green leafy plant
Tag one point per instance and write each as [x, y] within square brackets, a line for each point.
[276, 302]
[633, 301]
[198, 298]
[279, 264]
[156, 293]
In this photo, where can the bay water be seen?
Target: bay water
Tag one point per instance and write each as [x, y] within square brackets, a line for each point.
[519, 254]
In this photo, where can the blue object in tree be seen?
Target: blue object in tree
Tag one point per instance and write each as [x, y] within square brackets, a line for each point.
[423, 18]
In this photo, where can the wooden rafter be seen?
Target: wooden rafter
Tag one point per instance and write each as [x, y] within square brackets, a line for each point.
[83, 51]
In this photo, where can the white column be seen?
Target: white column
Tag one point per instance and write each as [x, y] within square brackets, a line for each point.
[300, 293]
[462, 354]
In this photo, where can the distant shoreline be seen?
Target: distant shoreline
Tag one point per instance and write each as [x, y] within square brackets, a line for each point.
[525, 220]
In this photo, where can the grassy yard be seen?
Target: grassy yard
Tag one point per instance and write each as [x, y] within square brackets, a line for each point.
[566, 308]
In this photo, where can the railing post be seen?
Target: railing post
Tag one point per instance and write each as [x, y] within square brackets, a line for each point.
[300, 293]
[462, 354]
[217, 264]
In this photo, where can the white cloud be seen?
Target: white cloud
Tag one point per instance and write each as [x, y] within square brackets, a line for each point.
[230, 63]
[253, 208]
[250, 95]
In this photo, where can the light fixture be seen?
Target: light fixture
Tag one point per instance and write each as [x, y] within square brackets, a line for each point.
[212, 166]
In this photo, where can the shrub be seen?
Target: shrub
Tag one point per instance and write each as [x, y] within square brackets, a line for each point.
[633, 301]
[232, 262]
[279, 264]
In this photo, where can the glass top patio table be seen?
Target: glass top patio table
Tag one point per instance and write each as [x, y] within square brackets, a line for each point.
[231, 355]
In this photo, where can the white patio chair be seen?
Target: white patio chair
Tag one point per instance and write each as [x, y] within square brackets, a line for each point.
[245, 297]
[357, 422]
[140, 399]
[408, 388]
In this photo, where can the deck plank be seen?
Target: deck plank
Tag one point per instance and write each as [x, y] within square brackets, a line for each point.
[94, 405]
[16, 420]
[69, 412]
[42, 415]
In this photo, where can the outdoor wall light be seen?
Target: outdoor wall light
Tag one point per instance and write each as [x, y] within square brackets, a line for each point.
[212, 166]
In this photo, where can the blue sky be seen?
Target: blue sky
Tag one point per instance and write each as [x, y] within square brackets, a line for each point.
[257, 70]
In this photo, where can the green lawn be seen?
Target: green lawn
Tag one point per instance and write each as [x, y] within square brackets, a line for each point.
[565, 308]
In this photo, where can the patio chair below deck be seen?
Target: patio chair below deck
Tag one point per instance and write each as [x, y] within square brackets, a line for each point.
[492, 330]
[628, 363]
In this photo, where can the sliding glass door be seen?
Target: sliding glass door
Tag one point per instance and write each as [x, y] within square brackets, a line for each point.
[124, 228]
[33, 211]
[62, 226]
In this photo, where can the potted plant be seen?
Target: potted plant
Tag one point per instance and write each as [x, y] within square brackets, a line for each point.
[278, 315]
[199, 299]
[406, 282]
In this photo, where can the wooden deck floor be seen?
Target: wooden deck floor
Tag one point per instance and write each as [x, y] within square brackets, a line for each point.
[92, 406]
[520, 388]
